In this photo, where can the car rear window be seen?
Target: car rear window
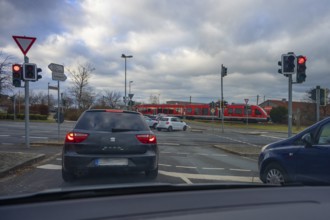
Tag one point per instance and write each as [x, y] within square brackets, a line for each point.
[110, 121]
[164, 119]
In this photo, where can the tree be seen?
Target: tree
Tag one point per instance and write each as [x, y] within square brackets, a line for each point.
[5, 76]
[80, 90]
[279, 114]
[111, 98]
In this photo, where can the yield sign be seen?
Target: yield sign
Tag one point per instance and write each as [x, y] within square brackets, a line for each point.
[24, 43]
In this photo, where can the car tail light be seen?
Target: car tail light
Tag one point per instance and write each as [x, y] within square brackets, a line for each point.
[75, 137]
[167, 123]
[147, 138]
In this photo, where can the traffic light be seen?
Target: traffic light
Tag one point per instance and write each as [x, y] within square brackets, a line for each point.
[38, 71]
[323, 97]
[223, 71]
[280, 70]
[288, 64]
[17, 74]
[30, 72]
[301, 69]
[212, 105]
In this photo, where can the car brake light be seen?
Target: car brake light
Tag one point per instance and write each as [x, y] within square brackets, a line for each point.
[147, 138]
[167, 123]
[75, 137]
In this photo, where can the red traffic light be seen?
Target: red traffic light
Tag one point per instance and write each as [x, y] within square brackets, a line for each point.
[302, 59]
[16, 67]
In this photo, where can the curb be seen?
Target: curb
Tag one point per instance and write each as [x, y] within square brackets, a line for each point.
[28, 162]
[250, 155]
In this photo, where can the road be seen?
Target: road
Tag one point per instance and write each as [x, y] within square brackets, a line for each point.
[185, 158]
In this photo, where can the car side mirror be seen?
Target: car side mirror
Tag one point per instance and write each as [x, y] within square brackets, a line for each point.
[307, 140]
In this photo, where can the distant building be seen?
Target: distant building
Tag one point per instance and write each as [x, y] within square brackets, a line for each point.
[305, 111]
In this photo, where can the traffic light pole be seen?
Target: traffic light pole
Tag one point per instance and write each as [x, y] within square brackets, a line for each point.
[290, 107]
[221, 104]
[318, 103]
[26, 112]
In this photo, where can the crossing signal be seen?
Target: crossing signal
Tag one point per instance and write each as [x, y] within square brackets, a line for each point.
[223, 71]
[288, 64]
[17, 74]
[30, 72]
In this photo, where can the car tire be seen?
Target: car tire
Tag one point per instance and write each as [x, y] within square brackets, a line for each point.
[185, 128]
[154, 126]
[274, 174]
[170, 129]
[151, 174]
[67, 176]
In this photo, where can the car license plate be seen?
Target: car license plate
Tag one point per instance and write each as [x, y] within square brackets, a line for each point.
[111, 162]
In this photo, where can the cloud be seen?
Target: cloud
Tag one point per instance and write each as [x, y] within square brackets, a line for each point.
[177, 46]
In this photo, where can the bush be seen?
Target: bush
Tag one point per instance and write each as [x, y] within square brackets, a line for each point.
[4, 116]
[279, 114]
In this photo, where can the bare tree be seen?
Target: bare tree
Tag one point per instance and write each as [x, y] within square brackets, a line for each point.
[80, 90]
[5, 76]
[111, 98]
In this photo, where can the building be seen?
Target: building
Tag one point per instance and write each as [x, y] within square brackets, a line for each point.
[305, 112]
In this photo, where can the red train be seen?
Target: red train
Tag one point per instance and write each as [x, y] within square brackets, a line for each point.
[233, 112]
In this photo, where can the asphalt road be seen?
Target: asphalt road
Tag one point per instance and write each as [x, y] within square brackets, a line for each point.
[185, 158]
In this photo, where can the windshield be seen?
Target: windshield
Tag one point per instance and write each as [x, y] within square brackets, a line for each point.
[226, 83]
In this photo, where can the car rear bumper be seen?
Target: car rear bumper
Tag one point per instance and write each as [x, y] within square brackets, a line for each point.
[76, 163]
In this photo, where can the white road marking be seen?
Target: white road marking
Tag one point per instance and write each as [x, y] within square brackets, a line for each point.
[187, 176]
[187, 167]
[165, 165]
[172, 144]
[4, 135]
[243, 170]
[50, 167]
[211, 168]
[219, 155]
[58, 158]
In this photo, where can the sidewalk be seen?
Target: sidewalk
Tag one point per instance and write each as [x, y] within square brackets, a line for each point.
[16, 157]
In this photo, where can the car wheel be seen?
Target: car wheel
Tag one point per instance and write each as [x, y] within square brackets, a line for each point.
[274, 174]
[67, 177]
[154, 126]
[185, 128]
[170, 128]
[152, 174]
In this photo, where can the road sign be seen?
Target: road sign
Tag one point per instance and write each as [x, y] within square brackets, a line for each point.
[57, 72]
[24, 43]
[246, 101]
[56, 68]
[58, 76]
[53, 87]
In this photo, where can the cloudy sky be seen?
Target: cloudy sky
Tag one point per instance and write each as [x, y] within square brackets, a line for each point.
[178, 46]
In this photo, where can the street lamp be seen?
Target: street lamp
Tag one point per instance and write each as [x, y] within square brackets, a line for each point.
[125, 57]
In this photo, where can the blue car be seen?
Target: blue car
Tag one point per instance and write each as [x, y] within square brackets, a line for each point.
[303, 158]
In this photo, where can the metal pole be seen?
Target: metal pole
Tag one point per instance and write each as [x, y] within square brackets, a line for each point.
[48, 97]
[26, 110]
[221, 102]
[14, 99]
[290, 107]
[318, 103]
[58, 110]
[125, 86]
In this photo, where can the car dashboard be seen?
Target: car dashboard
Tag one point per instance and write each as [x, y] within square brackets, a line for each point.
[169, 203]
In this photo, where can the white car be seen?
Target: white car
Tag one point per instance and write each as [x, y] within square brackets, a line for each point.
[171, 124]
[152, 123]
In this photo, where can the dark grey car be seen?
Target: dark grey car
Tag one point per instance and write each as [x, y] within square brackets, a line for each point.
[110, 140]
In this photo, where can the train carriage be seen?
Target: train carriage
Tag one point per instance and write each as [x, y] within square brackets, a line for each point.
[233, 112]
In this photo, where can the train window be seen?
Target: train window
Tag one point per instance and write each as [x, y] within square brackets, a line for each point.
[205, 111]
[230, 111]
[238, 111]
[197, 111]
[257, 112]
[188, 110]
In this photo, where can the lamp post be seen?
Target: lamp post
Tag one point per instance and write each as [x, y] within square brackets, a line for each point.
[130, 95]
[125, 57]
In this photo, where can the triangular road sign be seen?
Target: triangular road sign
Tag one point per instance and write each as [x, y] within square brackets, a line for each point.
[24, 43]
